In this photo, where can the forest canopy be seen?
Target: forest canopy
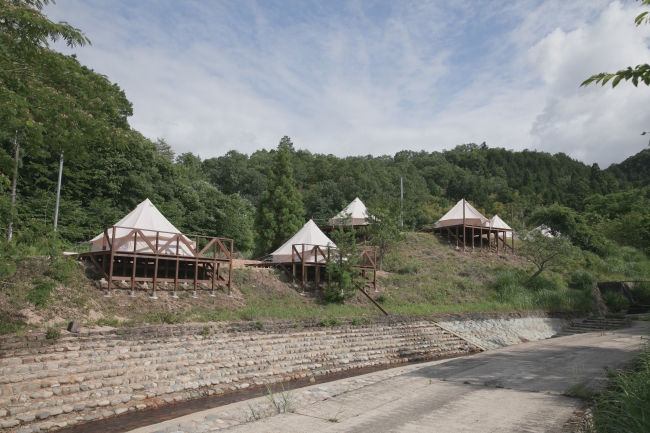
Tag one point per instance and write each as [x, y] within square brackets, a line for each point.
[53, 104]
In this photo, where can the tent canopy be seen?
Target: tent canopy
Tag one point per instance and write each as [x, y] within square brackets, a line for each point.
[455, 216]
[309, 234]
[148, 219]
[498, 223]
[354, 214]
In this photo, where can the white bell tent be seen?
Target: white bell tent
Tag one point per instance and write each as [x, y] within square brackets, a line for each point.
[498, 223]
[310, 235]
[354, 214]
[151, 223]
[456, 216]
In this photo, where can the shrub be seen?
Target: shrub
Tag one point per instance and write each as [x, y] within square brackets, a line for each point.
[332, 293]
[356, 321]
[258, 325]
[616, 301]
[40, 294]
[641, 293]
[204, 331]
[52, 334]
[381, 298]
[582, 280]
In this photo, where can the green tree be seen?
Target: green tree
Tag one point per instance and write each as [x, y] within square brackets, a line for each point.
[48, 101]
[280, 213]
[574, 226]
[545, 252]
[342, 271]
[384, 231]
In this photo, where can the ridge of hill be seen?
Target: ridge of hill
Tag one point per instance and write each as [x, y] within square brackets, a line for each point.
[635, 170]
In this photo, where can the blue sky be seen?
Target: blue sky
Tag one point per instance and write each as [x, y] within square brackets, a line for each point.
[372, 77]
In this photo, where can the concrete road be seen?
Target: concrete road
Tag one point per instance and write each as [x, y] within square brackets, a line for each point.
[514, 389]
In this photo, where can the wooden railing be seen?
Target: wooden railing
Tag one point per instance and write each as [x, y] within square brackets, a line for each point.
[159, 243]
[309, 253]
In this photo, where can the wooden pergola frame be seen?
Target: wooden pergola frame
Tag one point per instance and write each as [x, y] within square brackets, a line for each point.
[460, 233]
[306, 256]
[157, 265]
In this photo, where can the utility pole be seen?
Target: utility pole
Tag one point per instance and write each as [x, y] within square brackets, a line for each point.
[58, 193]
[13, 190]
[401, 202]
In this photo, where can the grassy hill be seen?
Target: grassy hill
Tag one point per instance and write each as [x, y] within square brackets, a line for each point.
[422, 275]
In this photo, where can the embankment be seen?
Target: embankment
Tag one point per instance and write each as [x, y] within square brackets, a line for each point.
[88, 376]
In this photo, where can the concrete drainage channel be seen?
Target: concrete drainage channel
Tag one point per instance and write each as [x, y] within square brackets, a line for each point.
[80, 380]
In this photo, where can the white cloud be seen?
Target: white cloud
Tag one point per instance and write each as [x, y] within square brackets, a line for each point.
[353, 79]
[593, 124]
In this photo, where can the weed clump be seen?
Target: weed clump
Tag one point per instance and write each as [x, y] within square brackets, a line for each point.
[204, 331]
[41, 293]
[52, 334]
[330, 321]
[623, 407]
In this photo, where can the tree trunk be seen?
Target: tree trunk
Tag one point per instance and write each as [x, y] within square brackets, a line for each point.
[13, 191]
[534, 275]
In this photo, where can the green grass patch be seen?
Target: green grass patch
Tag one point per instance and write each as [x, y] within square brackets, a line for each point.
[624, 406]
[40, 295]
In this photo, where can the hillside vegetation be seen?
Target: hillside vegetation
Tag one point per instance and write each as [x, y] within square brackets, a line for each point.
[423, 275]
[53, 106]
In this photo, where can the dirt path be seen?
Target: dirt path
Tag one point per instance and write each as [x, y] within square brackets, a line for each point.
[515, 389]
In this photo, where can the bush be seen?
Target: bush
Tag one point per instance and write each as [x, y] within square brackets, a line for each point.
[582, 280]
[205, 331]
[258, 325]
[641, 293]
[615, 301]
[382, 298]
[52, 334]
[332, 293]
[40, 294]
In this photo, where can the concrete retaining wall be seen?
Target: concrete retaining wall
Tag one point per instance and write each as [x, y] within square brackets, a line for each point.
[508, 329]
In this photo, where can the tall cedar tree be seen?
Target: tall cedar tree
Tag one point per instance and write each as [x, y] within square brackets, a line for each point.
[280, 213]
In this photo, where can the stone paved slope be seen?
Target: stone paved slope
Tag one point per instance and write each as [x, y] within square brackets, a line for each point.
[76, 380]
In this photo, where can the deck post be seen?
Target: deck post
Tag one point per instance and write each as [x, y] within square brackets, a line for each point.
[110, 265]
[174, 294]
[303, 262]
[196, 275]
[230, 268]
[135, 263]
